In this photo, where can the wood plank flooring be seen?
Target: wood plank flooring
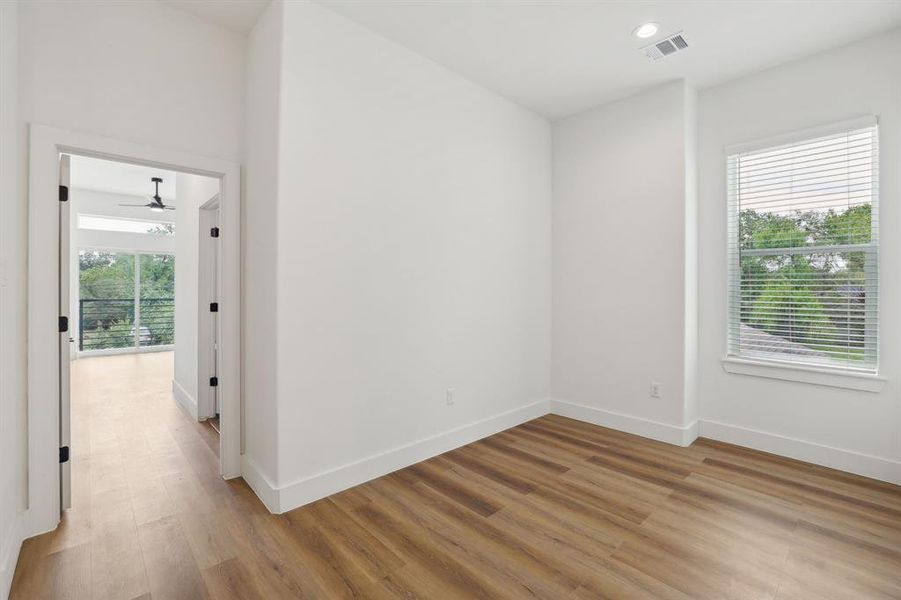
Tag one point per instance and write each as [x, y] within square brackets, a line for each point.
[554, 508]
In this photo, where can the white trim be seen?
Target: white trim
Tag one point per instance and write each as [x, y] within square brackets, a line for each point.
[184, 400]
[279, 499]
[9, 553]
[310, 489]
[865, 382]
[803, 134]
[664, 432]
[884, 469]
[690, 433]
[261, 485]
[46, 143]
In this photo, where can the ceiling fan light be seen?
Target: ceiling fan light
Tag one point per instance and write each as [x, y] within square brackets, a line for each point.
[156, 208]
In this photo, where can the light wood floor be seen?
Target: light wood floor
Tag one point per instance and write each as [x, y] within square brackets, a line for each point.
[551, 509]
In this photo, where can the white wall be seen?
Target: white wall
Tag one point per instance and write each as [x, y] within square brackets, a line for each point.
[259, 242]
[12, 307]
[137, 71]
[413, 255]
[816, 423]
[191, 192]
[623, 304]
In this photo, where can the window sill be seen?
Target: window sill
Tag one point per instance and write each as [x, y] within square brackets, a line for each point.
[865, 382]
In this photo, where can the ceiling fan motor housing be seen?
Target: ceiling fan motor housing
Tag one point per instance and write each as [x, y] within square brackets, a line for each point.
[156, 202]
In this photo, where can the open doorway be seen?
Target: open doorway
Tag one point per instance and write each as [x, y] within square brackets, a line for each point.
[135, 364]
[49, 311]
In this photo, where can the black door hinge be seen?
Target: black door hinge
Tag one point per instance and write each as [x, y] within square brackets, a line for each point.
[214, 232]
[63, 324]
[64, 454]
[63, 193]
[214, 307]
[214, 381]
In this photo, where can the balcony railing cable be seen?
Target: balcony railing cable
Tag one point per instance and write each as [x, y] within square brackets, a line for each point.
[108, 323]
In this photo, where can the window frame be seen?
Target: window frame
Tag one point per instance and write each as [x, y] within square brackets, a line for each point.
[79, 216]
[782, 367]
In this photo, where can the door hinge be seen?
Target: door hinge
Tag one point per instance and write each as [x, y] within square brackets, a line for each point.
[63, 193]
[214, 232]
[63, 324]
[214, 381]
[64, 454]
[214, 307]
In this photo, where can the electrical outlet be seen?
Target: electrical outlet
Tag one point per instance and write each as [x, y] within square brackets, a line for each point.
[449, 396]
[656, 389]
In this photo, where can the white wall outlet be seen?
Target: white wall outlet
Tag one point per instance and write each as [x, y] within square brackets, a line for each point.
[656, 389]
[449, 396]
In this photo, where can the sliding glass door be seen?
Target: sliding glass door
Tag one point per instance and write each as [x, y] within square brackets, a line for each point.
[106, 306]
[126, 300]
[156, 309]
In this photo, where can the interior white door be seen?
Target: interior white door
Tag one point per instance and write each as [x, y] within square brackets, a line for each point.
[208, 318]
[214, 293]
[65, 425]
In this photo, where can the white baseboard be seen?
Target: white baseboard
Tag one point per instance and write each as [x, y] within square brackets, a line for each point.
[310, 489]
[261, 485]
[664, 432]
[867, 465]
[690, 433]
[184, 400]
[9, 554]
[279, 499]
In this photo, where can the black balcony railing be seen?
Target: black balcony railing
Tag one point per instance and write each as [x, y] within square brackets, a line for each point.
[105, 323]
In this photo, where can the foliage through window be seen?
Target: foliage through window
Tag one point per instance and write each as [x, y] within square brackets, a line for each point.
[803, 259]
[109, 315]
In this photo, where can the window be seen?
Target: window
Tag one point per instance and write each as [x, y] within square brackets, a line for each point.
[126, 300]
[804, 244]
[125, 225]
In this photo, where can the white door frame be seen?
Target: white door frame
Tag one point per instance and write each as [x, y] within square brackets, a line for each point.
[46, 144]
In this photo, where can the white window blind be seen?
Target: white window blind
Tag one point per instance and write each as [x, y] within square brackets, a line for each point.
[804, 251]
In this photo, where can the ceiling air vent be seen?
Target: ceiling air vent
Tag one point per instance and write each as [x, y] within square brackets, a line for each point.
[670, 45]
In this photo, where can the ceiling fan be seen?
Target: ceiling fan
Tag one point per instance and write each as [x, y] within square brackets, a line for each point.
[156, 202]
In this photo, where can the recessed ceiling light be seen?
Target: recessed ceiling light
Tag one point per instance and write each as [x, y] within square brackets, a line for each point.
[646, 30]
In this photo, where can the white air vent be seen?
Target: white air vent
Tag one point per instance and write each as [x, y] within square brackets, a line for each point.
[665, 47]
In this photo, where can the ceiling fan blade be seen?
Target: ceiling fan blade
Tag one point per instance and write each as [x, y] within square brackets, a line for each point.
[168, 208]
[140, 205]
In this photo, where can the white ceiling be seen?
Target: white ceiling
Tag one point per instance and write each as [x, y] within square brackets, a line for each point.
[558, 57]
[238, 16]
[119, 178]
